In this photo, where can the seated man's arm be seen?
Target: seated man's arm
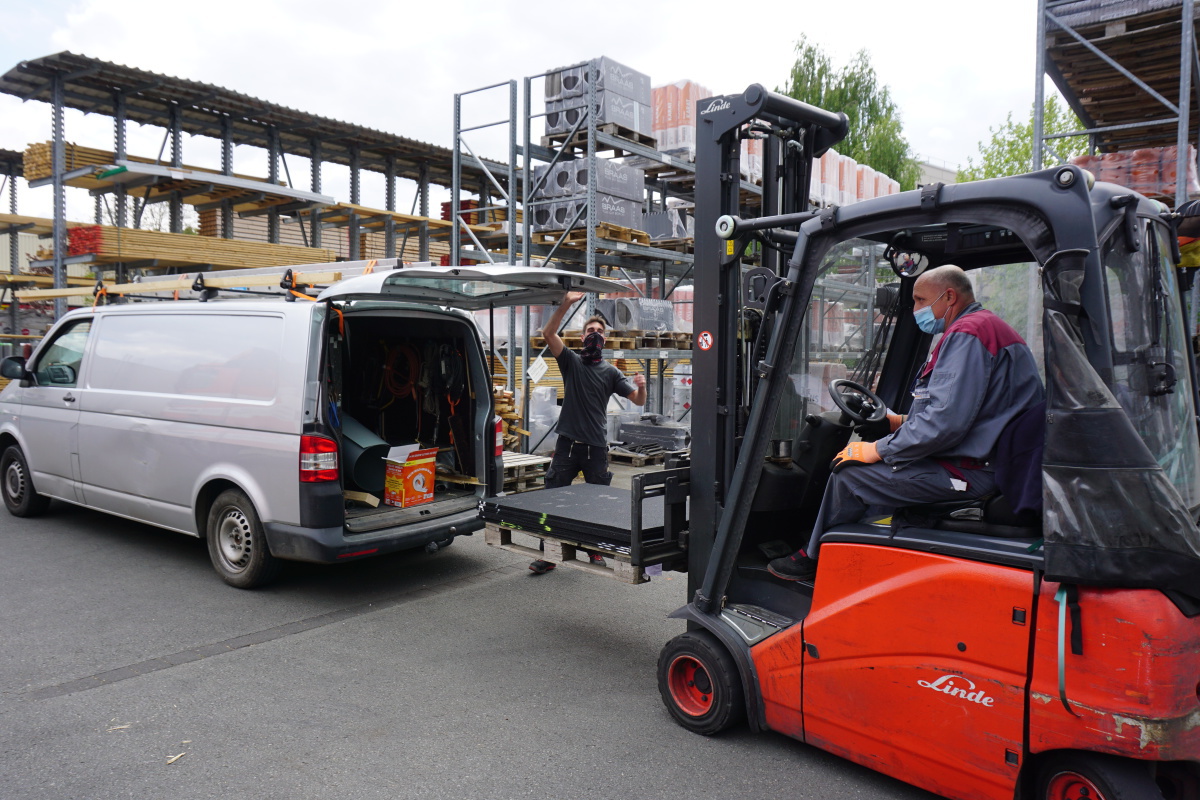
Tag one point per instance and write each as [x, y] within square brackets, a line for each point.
[957, 388]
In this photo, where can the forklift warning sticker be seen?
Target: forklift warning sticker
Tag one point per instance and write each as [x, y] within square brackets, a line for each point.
[705, 340]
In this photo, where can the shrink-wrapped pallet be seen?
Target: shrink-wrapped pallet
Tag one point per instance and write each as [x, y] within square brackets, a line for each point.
[849, 179]
[831, 178]
[865, 180]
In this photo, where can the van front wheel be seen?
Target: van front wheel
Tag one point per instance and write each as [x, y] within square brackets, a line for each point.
[20, 498]
[237, 544]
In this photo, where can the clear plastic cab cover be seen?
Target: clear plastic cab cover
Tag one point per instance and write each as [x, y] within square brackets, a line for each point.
[470, 288]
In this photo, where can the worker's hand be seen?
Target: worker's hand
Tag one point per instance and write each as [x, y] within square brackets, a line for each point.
[856, 453]
[571, 298]
[639, 381]
[874, 431]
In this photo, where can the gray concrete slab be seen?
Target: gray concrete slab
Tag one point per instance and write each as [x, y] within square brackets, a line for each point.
[457, 674]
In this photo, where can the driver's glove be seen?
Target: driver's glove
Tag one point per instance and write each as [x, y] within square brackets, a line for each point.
[854, 454]
[874, 431]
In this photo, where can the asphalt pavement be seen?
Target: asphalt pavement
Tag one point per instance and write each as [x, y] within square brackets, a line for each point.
[128, 669]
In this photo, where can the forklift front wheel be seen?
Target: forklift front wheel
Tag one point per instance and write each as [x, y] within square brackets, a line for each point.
[1068, 776]
[699, 683]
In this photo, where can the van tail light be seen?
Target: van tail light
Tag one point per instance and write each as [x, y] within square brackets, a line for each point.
[499, 436]
[318, 459]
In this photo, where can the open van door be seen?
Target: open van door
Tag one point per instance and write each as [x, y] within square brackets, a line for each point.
[469, 288]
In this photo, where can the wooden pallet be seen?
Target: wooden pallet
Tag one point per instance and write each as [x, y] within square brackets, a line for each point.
[605, 231]
[580, 140]
[563, 552]
[637, 459]
[524, 472]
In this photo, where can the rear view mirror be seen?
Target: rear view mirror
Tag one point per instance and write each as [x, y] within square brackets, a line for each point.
[13, 368]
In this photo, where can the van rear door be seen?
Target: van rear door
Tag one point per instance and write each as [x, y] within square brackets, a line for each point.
[469, 288]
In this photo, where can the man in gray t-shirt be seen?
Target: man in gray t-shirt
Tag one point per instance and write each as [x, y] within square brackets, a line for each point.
[588, 382]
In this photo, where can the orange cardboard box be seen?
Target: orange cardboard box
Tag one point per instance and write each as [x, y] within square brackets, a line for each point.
[409, 477]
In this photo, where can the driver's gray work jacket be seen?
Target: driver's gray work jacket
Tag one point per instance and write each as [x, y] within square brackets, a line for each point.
[978, 377]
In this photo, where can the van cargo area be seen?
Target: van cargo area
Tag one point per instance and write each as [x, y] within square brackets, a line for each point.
[405, 378]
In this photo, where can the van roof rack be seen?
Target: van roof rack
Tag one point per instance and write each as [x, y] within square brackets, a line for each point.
[288, 282]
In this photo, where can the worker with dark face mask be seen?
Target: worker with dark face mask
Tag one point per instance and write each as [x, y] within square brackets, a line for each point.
[588, 382]
[979, 377]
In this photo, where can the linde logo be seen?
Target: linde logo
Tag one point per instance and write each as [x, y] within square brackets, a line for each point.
[719, 104]
[953, 686]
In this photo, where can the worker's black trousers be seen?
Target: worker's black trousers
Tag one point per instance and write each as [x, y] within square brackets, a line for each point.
[570, 457]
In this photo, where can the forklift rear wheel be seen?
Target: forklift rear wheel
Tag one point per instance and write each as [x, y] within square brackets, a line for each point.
[1092, 776]
[699, 683]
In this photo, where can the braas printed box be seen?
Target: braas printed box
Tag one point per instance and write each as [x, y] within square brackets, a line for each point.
[561, 115]
[611, 178]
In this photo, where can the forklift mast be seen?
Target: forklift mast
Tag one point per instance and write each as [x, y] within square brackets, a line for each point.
[793, 134]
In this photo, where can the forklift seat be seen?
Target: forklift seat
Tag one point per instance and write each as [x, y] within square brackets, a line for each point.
[990, 515]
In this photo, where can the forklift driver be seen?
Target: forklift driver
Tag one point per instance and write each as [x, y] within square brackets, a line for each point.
[980, 376]
[588, 381]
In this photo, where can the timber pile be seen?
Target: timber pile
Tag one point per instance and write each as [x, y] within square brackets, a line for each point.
[112, 245]
[506, 407]
[39, 160]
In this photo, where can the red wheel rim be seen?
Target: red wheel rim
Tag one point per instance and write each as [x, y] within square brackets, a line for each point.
[1072, 786]
[691, 686]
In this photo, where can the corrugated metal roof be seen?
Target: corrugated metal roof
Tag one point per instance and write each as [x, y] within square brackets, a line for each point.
[91, 86]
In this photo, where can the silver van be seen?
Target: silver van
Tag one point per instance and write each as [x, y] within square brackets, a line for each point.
[263, 425]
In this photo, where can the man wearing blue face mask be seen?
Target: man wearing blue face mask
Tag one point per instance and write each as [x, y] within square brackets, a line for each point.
[979, 377]
[588, 381]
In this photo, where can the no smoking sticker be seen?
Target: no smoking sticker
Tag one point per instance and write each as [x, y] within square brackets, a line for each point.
[705, 340]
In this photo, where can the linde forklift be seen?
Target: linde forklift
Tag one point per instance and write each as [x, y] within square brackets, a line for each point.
[960, 647]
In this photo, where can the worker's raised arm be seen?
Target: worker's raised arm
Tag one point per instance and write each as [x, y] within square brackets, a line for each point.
[550, 329]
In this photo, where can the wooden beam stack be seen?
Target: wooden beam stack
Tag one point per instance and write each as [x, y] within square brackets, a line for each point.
[113, 245]
[39, 161]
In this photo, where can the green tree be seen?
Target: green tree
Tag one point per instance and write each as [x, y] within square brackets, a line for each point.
[876, 136]
[1010, 151]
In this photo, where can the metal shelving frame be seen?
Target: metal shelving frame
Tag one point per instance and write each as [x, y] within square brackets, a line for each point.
[68, 80]
[1156, 110]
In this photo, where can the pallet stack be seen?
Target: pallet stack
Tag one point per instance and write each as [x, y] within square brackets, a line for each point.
[113, 245]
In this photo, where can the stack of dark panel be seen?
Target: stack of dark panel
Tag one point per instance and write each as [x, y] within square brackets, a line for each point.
[584, 513]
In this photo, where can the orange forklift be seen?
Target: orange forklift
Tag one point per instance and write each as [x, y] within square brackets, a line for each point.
[959, 647]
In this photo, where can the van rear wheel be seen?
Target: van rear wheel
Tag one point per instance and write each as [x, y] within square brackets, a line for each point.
[237, 544]
[16, 483]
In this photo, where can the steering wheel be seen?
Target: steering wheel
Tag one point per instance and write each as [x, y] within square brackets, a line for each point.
[839, 388]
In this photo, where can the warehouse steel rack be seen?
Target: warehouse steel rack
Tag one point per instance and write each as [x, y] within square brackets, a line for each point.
[582, 243]
[68, 80]
[1123, 68]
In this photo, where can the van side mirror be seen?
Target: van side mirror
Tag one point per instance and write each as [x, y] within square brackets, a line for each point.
[13, 368]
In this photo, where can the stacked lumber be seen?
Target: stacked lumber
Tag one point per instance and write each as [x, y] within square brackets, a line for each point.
[39, 160]
[113, 245]
[506, 407]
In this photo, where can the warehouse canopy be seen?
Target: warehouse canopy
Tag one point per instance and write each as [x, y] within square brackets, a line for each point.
[91, 85]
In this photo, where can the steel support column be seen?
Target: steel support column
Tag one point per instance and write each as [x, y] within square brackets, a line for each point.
[273, 177]
[121, 200]
[315, 160]
[227, 169]
[1186, 43]
[355, 168]
[57, 159]
[14, 247]
[423, 210]
[389, 202]
[176, 206]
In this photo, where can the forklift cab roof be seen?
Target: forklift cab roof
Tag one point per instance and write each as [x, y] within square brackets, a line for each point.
[468, 288]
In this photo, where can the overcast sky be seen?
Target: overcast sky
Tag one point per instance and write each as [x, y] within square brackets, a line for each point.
[955, 67]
